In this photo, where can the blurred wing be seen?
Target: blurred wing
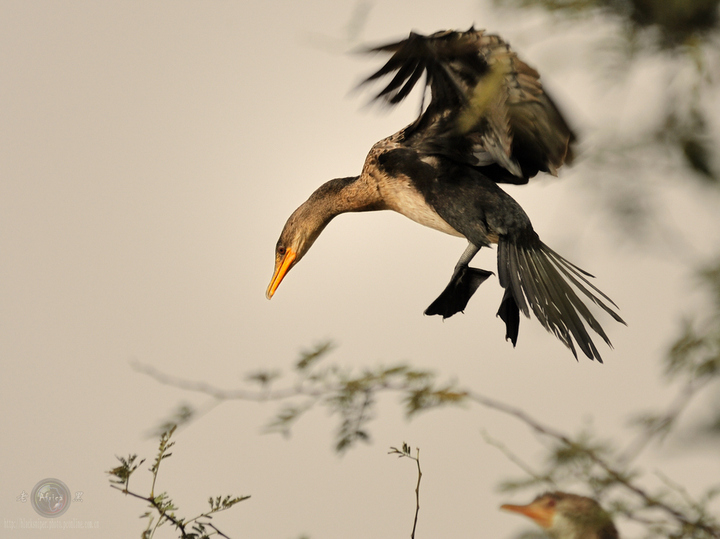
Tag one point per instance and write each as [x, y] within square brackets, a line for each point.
[485, 101]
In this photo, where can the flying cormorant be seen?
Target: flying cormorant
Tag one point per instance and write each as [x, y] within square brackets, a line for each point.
[488, 121]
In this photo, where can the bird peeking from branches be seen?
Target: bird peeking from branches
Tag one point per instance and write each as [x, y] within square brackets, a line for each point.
[568, 516]
[488, 121]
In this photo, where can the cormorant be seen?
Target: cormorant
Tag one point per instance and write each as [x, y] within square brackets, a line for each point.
[488, 121]
[568, 516]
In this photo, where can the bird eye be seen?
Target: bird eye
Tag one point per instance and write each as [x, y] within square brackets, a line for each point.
[281, 250]
[551, 502]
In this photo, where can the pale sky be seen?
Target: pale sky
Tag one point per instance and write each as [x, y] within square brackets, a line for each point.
[150, 155]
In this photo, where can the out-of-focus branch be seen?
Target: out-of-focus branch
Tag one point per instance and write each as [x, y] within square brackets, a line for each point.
[353, 396]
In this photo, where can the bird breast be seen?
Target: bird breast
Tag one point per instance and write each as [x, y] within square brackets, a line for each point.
[400, 196]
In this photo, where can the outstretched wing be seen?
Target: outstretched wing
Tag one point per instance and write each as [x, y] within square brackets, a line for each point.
[487, 106]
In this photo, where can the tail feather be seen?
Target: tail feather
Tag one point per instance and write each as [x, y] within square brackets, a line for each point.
[515, 280]
[570, 309]
[535, 275]
[571, 271]
[551, 307]
[507, 259]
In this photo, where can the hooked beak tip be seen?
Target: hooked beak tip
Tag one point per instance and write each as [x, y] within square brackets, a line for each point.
[269, 292]
[281, 269]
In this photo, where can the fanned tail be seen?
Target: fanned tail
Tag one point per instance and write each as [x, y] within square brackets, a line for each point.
[537, 278]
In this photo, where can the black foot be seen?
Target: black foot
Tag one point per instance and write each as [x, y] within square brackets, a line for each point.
[456, 295]
[510, 314]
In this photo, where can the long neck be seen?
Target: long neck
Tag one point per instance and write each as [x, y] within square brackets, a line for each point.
[329, 200]
[343, 195]
[337, 196]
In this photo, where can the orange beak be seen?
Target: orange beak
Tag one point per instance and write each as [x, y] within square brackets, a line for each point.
[282, 265]
[539, 513]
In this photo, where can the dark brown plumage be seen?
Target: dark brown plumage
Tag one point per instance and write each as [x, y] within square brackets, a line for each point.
[568, 516]
[488, 122]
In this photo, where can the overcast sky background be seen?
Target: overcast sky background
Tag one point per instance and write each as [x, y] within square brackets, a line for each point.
[150, 153]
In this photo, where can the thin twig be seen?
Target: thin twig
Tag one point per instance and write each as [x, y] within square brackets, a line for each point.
[216, 530]
[152, 502]
[405, 452]
[417, 492]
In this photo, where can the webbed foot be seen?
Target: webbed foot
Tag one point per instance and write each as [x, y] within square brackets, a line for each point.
[465, 281]
[510, 314]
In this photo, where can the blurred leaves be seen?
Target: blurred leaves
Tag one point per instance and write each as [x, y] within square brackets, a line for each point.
[308, 358]
[599, 465]
[694, 356]
[677, 21]
[347, 394]
[688, 130]
[667, 50]
[184, 413]
[352, 396]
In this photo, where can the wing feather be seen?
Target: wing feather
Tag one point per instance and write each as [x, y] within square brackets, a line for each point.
[484, 99]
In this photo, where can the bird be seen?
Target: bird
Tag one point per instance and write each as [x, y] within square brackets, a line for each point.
[487, 121]
[568, 516]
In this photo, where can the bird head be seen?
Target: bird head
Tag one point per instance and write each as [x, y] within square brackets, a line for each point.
[310, 219]
[568, 516]
[542, 509]
[300, 232]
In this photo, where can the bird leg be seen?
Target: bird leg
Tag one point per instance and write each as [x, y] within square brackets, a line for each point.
[463, 284]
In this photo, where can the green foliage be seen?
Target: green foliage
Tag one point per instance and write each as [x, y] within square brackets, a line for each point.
[352, 396]
[308, 358]
[184, 413]
[676, 21]
[694, 357]
[121, 474]
[349, 395]
[161, 507]
[599, 465]
[681, 35]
